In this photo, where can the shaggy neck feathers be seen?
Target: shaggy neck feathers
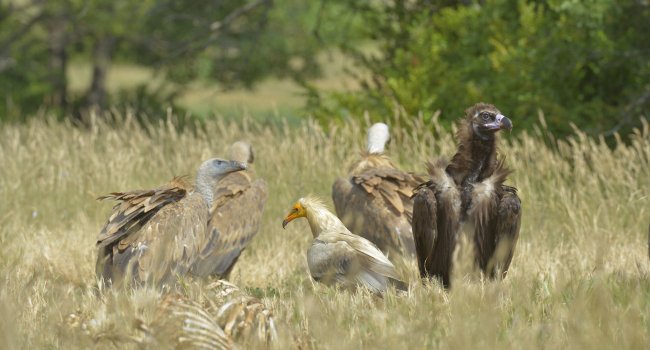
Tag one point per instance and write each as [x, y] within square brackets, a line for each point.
[320, 218]
[476, 155]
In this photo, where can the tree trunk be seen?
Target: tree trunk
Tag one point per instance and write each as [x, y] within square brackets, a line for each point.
[102, 55]
[58, 63]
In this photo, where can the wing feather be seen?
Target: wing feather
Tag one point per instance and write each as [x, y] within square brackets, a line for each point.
[152, 235]
[235, 219]
[376, 204]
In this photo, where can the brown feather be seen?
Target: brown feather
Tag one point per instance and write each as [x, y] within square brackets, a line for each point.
[375, 203]
[152, 235]
[468, 189]
[235, 218]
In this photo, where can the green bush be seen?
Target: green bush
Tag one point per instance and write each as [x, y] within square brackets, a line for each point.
[585, 62]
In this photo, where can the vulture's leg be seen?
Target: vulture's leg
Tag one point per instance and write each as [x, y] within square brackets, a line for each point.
[435, 225]
[507, 232]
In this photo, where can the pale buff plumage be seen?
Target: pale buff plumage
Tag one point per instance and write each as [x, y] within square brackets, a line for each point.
[154, 236]
[337, 256]
[235, 216]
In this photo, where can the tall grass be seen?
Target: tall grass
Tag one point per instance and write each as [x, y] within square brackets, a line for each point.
[580, 277]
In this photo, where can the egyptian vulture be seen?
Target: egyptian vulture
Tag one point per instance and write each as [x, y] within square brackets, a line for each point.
[468, 195]
[235, 216]
[374, 201]
[154, 236]
[337, 256]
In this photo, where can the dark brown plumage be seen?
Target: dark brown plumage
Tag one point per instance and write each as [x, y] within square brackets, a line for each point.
[468, 192]
[235, 217]
[154, 236]
[374, 201]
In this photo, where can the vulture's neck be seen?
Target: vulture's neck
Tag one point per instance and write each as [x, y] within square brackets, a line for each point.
[475, 159]
[322, 220]
[204, 185]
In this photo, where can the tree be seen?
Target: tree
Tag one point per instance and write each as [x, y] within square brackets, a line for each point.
[584, 62]
[233, 42]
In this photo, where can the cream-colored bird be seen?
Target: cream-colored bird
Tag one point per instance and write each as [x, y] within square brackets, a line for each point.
[337, 256]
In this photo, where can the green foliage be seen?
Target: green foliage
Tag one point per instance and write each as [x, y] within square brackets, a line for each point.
[233, 43]
[585, 62]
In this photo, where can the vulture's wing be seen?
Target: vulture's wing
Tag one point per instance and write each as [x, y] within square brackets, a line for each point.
[376, 204]
[504, 232]
[338, 262]
[235, 219]
[136, 208]
[436, 209]
[349, 259]
[161, 248]
[496, 214]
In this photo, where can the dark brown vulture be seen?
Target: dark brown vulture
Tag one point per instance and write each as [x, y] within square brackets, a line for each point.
[235, 217]
[374, 201]
[468, 193]
[154, 236]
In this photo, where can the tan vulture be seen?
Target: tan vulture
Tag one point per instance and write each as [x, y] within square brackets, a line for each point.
[235, 217]
[337, 256]
[375, 200]
[154, 236]
[468, 195]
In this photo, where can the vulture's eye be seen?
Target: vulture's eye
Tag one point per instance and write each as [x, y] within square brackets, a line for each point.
[485, 116]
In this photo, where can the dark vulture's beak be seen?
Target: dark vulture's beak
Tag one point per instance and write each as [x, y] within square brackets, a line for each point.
[500, 122]
[236, 166]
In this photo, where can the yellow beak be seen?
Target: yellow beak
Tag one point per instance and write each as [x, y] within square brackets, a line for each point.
[289, 218]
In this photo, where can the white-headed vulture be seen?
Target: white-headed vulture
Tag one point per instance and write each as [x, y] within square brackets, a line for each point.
[374, 200]
[468, 193]
[339, 257]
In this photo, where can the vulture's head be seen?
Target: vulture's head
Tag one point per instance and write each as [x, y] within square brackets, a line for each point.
[486, 120]
[304, 207]
[378, 136]
[297, 211]
[242, 151]
[215, 168]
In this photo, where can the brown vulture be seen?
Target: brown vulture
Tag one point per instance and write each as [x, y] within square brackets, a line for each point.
[337, 256]
[468, 195]
[374, 201]
[235, 216]
[154, 236]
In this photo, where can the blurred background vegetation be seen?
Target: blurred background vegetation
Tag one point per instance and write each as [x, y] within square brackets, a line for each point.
[582, 62]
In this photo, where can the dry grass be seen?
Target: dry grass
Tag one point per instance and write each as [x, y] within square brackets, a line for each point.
[580, 276]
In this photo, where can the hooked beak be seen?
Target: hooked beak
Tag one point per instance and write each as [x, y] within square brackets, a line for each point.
[290, 217]
[236, 166]
[501, 122]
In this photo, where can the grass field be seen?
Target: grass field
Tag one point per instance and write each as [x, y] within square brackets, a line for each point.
[580, 277]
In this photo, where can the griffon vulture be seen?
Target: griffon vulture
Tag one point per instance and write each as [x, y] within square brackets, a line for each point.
[374, 201]
[153, 236]
[337, 256]
[468, 194]
[235, 216]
